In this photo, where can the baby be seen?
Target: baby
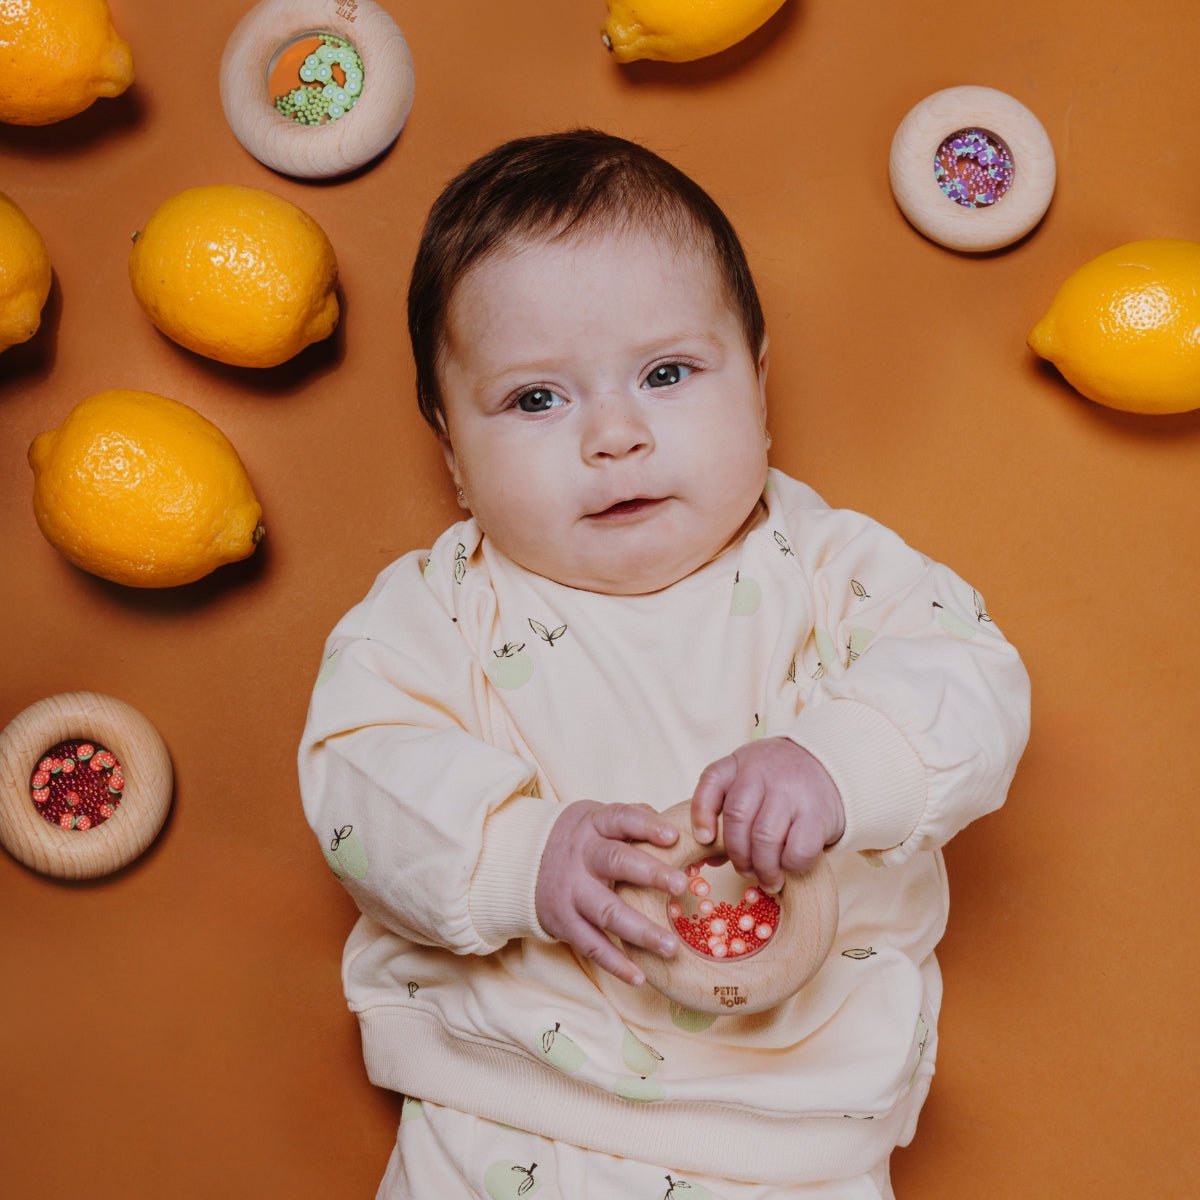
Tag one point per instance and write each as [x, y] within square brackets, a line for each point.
[637, 610]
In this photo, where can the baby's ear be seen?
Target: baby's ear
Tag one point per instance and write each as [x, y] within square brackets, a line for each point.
[448, 454]
[763, 362]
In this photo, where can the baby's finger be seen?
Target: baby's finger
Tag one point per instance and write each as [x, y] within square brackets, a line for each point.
[626, 863]
[709, 797]
[804, 846]
[767, 841]
[634, 823]
[593, 945]
[738, 818]
[613, 915]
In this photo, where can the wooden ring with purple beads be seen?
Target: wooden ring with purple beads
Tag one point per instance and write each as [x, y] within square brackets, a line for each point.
[972, 169]
[743, 951]
[85, 785]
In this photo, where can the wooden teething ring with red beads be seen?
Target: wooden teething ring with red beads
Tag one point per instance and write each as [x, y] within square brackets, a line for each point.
[85, 785]
[743, 951]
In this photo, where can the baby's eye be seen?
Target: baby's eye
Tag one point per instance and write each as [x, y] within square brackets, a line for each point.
[667, 374]
[539, 400]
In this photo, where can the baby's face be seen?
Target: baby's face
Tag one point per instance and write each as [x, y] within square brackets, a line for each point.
[605, 416]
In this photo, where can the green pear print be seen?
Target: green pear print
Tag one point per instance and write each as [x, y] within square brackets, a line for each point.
[954, 625]
[639, 1088]
[510, 667]
[640, 1058]
[857, 643]
[327, 668]
[682, 1189]
[825, 652]
[345, 855]
[747, 596]
[507, 1180]
[559, 1051]
[688, 1019]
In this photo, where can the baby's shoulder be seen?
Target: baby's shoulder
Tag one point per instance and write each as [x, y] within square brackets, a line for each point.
[418, 588]
[802, 523]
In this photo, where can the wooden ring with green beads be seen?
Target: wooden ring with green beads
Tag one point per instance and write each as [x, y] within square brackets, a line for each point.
[326, 124]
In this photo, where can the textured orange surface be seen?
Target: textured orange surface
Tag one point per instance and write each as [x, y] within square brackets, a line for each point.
[178, 1029]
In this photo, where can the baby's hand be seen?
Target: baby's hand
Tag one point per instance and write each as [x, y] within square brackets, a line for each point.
[587, 850]
[779, 809]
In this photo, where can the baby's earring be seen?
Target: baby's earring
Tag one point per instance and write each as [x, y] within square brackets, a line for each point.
[766, 438]
[462, 499]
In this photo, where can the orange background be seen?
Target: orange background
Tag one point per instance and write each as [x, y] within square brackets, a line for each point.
[178, 1029]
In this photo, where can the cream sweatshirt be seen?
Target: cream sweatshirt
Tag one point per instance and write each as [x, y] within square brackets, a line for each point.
[465, 700]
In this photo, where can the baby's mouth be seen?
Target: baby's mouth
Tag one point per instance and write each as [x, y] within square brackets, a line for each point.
[626, 508]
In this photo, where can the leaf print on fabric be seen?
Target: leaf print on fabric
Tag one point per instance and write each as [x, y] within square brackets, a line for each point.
[785, 547]
[980, 612]
[858, 953]
[549, 636]
[681, 1189]
[858, 589]
[460, 562]
[507, 1180]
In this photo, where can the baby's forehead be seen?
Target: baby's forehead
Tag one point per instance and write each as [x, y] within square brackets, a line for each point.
[554, 248]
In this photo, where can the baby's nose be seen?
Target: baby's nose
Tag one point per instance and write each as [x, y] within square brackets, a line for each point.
[616, 427]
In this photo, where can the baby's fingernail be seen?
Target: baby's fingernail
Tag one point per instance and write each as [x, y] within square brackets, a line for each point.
[703, 834]
[772, 889]
[638, 979]
[678, 883]
[669, 832]
[668, 945]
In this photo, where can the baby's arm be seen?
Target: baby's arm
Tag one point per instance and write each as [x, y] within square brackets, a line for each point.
[909, 698]
[435, 832]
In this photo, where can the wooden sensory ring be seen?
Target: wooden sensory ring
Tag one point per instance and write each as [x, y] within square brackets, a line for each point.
[108, 740]
[365, 126]
[747, 981]
[988, 191]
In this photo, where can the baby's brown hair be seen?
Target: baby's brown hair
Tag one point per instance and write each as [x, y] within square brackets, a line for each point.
[549, 186]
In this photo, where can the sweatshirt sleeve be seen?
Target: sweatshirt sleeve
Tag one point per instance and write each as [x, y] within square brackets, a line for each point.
[435, 832]
[919, 708]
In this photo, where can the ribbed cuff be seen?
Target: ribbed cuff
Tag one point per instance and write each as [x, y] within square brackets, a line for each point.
[877, 772]
[502, 888]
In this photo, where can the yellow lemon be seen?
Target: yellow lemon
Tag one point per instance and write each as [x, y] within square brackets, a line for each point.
[236, 274]
[56, 57]
[143, 490]
[681, 30]
[24, 276]
[1124, 329]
